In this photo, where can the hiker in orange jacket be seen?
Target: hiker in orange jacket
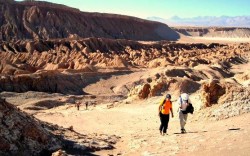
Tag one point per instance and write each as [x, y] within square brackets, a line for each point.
[165, 108]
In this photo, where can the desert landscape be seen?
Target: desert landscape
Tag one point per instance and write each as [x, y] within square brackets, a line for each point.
[117, 69]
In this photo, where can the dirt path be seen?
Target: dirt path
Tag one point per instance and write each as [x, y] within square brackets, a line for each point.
[137, 125]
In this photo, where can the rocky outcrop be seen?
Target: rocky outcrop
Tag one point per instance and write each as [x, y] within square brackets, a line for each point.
[211, 92]
[158, 87]
[59, 153]
[43, 20]
[24, 135]
[231, 100]
[235, 102]
[144, 92]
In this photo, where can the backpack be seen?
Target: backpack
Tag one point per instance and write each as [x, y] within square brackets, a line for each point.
[162, 105]
[190, 108]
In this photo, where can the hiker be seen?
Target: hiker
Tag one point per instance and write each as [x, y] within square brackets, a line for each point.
[183, 102]
[86, 105]
[78, 105]
[164, 109]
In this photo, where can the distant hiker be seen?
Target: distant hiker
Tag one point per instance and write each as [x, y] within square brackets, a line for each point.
[78, 105]
[183, 102]
[86, 104]
[164, 110]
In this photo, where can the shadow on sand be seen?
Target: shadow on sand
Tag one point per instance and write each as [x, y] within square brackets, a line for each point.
[230, 129]
[192, 132]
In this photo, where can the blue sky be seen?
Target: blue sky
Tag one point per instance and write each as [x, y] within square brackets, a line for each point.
[163, 8]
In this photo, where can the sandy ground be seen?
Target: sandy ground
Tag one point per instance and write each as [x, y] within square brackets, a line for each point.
[192, 39]
[137, 124]
[222, 39]
[189, 39]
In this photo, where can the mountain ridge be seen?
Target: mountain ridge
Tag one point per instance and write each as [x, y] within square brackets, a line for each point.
[221, 21]
[44, 20]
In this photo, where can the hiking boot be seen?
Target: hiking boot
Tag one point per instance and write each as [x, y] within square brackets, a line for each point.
[183, 131]
[165, 134]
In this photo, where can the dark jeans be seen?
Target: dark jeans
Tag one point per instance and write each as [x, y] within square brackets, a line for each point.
[164, 122]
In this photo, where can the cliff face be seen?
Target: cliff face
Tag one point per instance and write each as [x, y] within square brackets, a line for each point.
[42, 20]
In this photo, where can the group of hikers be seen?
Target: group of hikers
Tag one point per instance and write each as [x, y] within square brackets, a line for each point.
[165, 108]
[78, 105]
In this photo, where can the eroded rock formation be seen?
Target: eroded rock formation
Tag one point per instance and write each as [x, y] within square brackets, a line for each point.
[65, 66]
[211, 92]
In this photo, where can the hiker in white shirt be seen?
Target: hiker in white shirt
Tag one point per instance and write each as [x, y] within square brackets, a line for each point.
[183, 103]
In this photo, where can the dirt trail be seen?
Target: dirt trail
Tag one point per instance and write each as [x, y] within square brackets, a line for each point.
[137, 125]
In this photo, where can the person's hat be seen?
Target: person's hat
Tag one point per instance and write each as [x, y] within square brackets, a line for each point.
[168, 96]
[184, 96]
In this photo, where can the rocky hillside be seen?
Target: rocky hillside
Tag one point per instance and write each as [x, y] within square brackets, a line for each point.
[43, 20]
[24, 135]
[223, 32]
